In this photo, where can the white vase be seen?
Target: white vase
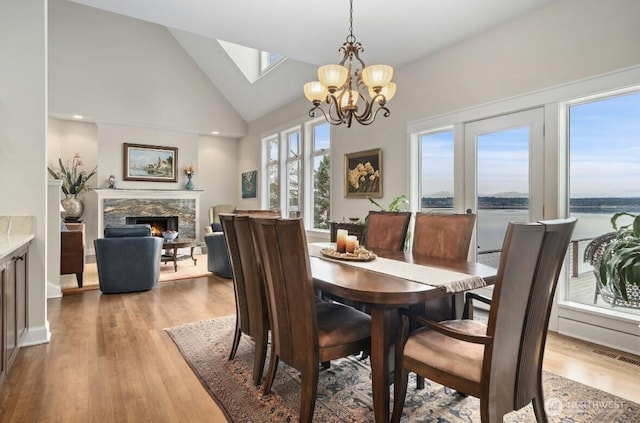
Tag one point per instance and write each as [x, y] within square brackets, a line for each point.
[73, 208]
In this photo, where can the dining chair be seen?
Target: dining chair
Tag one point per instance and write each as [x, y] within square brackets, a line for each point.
[445, 236]
[386, 230]
[252, 316]
[500, 362]
[304, 333]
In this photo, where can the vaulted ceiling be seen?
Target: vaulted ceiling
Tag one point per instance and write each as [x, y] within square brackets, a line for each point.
[309, 34]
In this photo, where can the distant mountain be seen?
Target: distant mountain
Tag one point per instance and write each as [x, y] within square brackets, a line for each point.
[440, 194]
[509, 194]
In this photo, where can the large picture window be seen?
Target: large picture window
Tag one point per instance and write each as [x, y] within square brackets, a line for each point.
[298, 169]
[604, 178]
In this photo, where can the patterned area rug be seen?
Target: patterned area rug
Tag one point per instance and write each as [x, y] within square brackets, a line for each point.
[344, 390]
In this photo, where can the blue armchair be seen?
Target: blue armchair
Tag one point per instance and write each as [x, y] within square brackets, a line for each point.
[128, 258]
[218, 261]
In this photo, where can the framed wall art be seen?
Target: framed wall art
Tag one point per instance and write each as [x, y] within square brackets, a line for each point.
[363, 174]
[149, 163]
[249, 180]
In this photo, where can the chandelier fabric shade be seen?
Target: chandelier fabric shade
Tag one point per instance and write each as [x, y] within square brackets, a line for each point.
[344, 85]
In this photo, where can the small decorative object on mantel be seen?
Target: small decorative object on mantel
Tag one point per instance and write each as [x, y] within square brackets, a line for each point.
[112, 181]
[74, 182]
[189, 171]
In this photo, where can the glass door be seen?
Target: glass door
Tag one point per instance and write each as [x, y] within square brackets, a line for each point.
[504, 175]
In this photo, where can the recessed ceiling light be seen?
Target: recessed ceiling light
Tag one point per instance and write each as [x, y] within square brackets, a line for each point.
[78, 116]
[215, 132]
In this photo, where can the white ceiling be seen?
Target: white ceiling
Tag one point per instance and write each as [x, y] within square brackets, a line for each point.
[394, 32]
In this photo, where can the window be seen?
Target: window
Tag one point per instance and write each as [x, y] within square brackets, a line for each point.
[320, 158]
[294, 169]
[269, 60]
[273, 172]
[604, 178]
[436, 170]
[298, 168]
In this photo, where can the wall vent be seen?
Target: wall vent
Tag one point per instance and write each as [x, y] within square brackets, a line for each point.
[629, 360]
[605, 353]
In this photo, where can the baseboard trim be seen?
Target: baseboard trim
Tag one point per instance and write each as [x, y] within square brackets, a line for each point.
[36, 336]
[53, 290]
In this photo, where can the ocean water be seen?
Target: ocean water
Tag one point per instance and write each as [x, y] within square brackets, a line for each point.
[492, 224]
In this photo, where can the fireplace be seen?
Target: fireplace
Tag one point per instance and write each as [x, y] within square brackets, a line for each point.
[114, 205]
[158, 224]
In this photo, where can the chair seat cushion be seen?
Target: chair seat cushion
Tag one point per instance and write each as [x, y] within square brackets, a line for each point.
[427, 348]
[339, 324]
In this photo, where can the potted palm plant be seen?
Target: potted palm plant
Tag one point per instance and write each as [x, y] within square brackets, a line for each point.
[620, 262]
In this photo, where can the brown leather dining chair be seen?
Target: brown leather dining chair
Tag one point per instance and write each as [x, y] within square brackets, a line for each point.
[501, 362]
[304, 333]
[445, 236]
[386, 230]
[252, 316]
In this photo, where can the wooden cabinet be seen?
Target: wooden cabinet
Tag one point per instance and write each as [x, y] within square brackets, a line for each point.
[72, 251]
[14, 292]
[352, 228]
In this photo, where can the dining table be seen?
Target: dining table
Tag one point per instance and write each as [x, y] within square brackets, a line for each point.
[395, 279]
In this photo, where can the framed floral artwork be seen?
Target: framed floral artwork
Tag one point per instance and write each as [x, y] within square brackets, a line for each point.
[249, 184]
[363, 174]
[149, 163]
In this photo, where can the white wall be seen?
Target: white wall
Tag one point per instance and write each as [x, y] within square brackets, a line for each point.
[217, 174]
[23, 131]
[565, 41]
[115, 69]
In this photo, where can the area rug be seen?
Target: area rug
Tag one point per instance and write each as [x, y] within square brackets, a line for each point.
[186, 270]
[344, 390]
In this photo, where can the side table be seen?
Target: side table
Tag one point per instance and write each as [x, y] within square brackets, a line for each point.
[171, 251]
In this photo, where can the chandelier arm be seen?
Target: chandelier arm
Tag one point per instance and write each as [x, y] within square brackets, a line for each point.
[372, 116]
[334, 107]
[327, 117]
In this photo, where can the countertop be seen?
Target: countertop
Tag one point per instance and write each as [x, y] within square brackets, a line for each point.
[15, 232]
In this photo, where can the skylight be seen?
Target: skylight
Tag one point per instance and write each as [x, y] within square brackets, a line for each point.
[252, 63]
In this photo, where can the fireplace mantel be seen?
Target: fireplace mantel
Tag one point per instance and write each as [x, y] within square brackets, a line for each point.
[114, 205]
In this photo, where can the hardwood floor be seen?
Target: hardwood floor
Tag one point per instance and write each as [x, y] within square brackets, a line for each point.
[110, 359]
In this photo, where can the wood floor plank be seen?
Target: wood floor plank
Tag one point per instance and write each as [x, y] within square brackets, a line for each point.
[110, 359]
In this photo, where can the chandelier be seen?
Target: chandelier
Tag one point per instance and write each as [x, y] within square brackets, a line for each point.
[346, 85]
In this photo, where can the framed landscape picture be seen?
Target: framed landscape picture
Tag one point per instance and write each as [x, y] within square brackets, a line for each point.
[363, 174]
[249, 184]
[149, 163]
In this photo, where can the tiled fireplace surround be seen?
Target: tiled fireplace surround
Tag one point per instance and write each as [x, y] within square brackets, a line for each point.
[115, 205]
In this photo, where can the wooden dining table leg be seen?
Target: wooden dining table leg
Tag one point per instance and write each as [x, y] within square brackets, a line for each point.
[384, 323]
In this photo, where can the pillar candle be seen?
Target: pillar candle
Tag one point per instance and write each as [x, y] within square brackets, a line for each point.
[352, 243]
[341, 240]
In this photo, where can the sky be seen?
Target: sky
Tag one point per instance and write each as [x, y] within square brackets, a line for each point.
[604, 138]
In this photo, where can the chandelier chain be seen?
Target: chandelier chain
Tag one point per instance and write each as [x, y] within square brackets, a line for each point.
[351, 18]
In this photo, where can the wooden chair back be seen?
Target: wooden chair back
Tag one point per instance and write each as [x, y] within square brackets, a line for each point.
[252, 316]
[386, 230]
[290, 292]
[530, 263]
[443, 235]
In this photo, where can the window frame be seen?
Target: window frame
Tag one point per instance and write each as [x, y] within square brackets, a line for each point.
[306, 155]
